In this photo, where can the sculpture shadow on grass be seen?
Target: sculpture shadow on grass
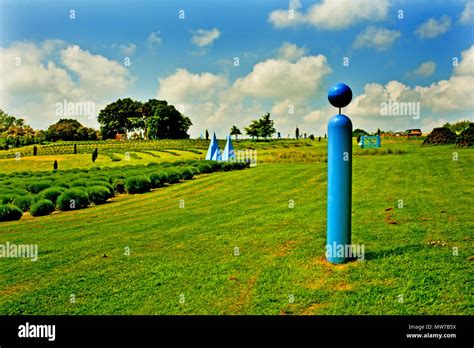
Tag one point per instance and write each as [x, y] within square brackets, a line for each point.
[397, 251]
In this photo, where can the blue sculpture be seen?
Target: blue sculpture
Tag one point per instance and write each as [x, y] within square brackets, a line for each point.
[213, 149]
[229, 153]
[339, 177]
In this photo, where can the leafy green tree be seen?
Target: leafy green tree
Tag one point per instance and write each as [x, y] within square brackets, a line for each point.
[457, 127]
[266, 126]
[70, 129]
[121, 116]
[297, 133]
[207, 135]
[253, 130]
[168, 123]
[359, 132]
[235, 132]
[95, 154]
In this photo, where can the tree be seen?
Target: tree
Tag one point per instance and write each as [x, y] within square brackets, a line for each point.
[35, 150]
[457, 127]
[235, 132]
[168, 123]
[207, 135]
[95, 154]
[121, 116]
[297, 133]
[15, 132]
[253, 130]
[359, 132]
[261, 128]
[266, 126]
[70, 129]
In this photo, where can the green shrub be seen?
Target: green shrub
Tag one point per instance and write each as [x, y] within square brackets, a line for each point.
[51, 194]
[226, 166]
[216, 166]
[98, 194]
[42, 207]
[119, 185]
[205, 168]
[195, 170]
[174, 176]
[79, 182]
[73, 199]
[158, 179]
[61, 184]
[7, 198]
[114, 177]
[238, 165]
[186, 173]
[38, 186]
[138, 184]
[9, 212]
[103, 184]
[23, 202]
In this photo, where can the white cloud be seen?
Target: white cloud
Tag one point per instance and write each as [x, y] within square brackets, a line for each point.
[128, 50]
[154, 39]
[183, 86]
[467, 15]
[291, 52]
[426, 69]
[274, 78]
[315, 116]
[330, 14]
[287, 90]
[51, 72]
[202, 37]
[94, 71]
[466, 65]
[433, 27]
[379, 38]
[450, 98]
[214, 103]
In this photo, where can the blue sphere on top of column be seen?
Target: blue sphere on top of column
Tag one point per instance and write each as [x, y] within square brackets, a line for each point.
[340, 95]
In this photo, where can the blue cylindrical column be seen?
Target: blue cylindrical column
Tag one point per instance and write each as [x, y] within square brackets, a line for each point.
[339, 187]
[339, 177]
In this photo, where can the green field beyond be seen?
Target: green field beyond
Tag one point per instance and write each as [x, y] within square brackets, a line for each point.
[252, 241]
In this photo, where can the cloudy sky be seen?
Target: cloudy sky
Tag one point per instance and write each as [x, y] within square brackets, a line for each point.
[225, 63]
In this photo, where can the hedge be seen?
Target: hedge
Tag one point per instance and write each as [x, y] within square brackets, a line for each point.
[73, 199]
[23, 202]
[38, 186]
[174, 176]
[138, 184]
[51, 194]
[98, 194]
[158, 179]
[9, 212]
[42, 207]
[186, 173]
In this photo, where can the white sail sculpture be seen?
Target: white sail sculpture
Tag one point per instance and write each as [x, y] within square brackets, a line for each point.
[229, 153]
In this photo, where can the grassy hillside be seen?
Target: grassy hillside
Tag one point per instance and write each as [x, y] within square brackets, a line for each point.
[409, 265]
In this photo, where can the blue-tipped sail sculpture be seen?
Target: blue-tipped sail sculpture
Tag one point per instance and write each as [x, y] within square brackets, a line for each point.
[213, 148]
[229, 153]
[217, 154]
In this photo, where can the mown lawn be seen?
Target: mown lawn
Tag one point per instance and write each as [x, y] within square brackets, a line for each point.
[280, 267]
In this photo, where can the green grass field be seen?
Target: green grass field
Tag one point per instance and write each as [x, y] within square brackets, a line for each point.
[238, 248]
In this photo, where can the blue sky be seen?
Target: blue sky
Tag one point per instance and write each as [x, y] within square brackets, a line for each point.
[207, 88]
